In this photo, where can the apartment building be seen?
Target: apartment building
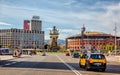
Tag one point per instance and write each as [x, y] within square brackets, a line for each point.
[31, 36]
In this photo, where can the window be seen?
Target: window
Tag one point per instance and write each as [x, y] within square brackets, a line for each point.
[97, 56]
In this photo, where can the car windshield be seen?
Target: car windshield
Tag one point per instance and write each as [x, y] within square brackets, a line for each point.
[97, 56]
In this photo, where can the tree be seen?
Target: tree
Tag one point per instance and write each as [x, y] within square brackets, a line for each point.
[9, 46]
[0, 46]
[63, 49]
[101, 47]
[46, 46]
[107, 47]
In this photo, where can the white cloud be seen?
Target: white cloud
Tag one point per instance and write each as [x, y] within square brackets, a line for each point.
[4, 23]
[48, 28]
[61, 36]
[110, 17]
[103, 20]
[47, 37]
[64, 33]
[118, 33]
[48, 15]
[68, 31]
[69, 3]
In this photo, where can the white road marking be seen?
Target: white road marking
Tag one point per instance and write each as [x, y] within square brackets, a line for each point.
[70, 67]
[14, 62]
[8, 64]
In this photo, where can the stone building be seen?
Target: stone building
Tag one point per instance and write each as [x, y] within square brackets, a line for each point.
[92, 40]
[54, 39]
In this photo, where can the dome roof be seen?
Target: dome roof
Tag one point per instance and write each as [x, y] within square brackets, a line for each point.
[54, 31]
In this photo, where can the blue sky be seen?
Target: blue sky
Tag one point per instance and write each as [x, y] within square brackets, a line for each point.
[67, 15]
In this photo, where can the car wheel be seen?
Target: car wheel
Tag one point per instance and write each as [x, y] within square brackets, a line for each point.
[87, 67]
[103, 70]
[80, 65]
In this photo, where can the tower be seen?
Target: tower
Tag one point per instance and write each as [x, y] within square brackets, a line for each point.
[54, 39]
[35, 23]
[33, 34]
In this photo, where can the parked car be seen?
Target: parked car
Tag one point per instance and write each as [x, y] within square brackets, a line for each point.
[6, 51]
[75, 55]
[93, 61]
[67, 54]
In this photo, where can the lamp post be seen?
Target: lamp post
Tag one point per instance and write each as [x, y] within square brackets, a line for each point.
[115, 37]
[34, 34]
[21, 41]
[74, 44]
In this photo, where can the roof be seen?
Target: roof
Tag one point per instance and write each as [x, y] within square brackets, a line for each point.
[92, 34]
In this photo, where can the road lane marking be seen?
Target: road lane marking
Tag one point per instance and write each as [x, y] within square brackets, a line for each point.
[8, 64]
[14, 62]
[17, 61]
[70, 67]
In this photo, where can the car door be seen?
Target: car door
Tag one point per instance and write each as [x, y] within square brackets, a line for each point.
[82, 60]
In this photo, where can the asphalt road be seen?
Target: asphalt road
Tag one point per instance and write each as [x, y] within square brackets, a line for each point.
[52, 64]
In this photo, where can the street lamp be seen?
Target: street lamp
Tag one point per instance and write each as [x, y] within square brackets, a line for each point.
[21, 41]
[115, 37]
[74, 43]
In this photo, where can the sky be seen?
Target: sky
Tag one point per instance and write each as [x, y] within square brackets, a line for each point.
[68, 16]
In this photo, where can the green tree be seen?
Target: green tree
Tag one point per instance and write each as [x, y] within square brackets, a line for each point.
[9, 46]
[107, 48]
[0, 46]
[111, 47]
[101, 47]
[63, 49]
[46, 46]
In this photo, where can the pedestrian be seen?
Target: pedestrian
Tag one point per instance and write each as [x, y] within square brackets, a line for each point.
[108, 52]
[98, 50]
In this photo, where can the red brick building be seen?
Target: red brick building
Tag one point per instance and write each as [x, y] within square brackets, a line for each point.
[92, 40]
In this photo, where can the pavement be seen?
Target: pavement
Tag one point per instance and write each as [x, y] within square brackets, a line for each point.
[6, 57]
[109, 58]
[9, 57]
[51, 64]
[113, 58]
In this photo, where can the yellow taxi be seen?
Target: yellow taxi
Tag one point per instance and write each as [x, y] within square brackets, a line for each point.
[93, 61]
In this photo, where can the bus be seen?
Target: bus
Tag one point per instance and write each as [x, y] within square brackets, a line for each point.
[6, 51]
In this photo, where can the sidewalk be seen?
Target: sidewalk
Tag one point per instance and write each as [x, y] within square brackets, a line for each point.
[6, 57]
[113, 58]
[9, 57]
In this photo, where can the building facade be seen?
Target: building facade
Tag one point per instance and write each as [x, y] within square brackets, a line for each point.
[92, 40]
[26, 24]
[31, 36]
[54, 39]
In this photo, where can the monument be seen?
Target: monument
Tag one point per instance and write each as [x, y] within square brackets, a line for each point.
[54, 39]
